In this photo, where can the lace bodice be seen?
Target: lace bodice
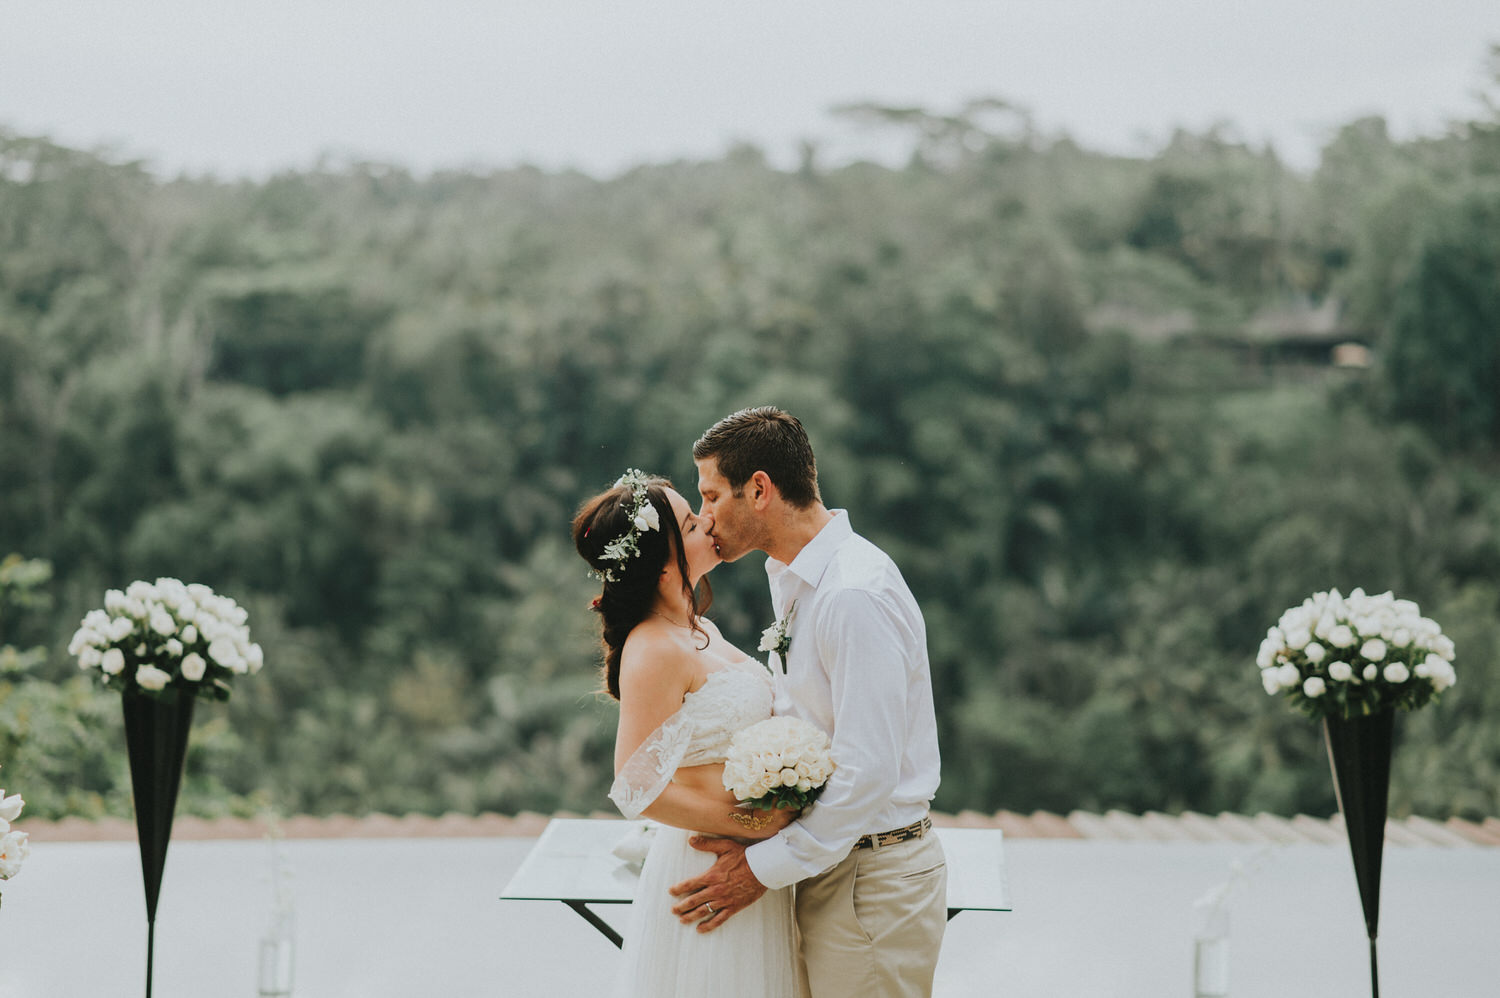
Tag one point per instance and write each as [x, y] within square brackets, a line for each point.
[730, 699]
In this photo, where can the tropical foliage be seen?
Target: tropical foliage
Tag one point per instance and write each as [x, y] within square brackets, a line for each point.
[1086, 401]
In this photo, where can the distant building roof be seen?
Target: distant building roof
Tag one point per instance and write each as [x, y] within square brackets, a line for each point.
[1153, 826]
[1299, 319]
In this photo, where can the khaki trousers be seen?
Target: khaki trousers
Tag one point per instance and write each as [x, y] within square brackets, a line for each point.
[872, 926]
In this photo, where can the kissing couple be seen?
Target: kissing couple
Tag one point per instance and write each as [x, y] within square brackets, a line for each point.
[848, 896]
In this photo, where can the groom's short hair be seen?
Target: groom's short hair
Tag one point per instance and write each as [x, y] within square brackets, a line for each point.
[763, 438]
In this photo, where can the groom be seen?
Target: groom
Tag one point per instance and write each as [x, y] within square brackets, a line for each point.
[870, 875]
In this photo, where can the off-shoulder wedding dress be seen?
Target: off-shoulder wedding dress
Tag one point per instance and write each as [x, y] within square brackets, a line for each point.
[749, 956]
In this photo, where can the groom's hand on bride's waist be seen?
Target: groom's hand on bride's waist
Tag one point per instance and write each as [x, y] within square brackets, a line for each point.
[727, 887]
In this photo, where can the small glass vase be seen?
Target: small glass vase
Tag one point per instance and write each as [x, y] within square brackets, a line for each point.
[277, 952]
[1211, 954]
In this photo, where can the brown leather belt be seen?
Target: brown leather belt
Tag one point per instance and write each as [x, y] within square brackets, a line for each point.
[913, 831]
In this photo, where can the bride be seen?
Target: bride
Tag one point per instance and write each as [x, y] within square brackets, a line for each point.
[683, 691]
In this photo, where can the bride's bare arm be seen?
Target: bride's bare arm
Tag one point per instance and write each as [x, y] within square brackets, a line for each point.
[683, 807]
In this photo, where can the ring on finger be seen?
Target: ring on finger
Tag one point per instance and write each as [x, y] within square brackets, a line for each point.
[709, 906]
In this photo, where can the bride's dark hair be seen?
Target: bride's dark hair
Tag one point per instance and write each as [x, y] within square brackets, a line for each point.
[625, 602]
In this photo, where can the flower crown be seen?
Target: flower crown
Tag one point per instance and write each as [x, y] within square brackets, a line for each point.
[642, 516]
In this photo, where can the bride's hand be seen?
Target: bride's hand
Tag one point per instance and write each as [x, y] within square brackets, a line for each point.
[757, 825]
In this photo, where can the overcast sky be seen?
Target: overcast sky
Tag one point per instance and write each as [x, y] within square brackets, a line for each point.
[252, 86]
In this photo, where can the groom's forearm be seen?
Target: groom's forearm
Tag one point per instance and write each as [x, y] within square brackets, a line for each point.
[824, 835]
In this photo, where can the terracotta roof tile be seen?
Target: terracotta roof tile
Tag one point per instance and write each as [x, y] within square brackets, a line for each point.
[1090, 826]
[1127, 826]
[1237, 828]
[1200, 827]
[78, 829]
[1054, 826]
[531, 821]
[1018, 826]
[1478, 834]
[1429, 832]
[1397, 833]
[1327, 830]
[1277, 829]
[1162, 827]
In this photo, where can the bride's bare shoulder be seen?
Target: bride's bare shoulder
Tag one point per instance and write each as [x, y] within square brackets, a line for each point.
[652, 657]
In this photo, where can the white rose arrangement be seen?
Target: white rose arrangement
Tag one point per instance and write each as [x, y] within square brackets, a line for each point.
[154, 635]
[1351, 656]
[781, 762]
[14, 847]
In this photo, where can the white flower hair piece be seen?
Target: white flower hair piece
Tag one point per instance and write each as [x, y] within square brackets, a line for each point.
[643, 518]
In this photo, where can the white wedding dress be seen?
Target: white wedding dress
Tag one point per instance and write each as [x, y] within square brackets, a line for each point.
[749, 956]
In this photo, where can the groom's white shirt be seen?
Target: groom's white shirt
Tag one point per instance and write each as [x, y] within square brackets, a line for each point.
[857, 668]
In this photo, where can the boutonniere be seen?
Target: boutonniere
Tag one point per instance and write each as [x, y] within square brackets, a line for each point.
[778, 638]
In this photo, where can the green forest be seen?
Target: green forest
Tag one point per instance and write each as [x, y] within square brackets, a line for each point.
[1111, 415]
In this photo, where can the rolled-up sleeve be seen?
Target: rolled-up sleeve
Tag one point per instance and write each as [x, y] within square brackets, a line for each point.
[863, 643]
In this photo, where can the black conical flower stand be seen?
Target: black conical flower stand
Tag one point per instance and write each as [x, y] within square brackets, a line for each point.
[1359, 750]
[156, 733]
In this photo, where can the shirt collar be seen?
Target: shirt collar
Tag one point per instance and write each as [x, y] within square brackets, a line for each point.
[812, 561]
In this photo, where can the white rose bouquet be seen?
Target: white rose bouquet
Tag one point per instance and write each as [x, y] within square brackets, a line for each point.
[14, 847]
[154, 635]
[781, 762]
[1351, 656]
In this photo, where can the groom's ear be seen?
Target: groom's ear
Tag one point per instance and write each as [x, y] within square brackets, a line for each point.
[761, 490]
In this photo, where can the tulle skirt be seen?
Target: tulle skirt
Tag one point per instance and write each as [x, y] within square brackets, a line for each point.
[749, 956]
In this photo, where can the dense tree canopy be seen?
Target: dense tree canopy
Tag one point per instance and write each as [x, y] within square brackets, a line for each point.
[366, 404]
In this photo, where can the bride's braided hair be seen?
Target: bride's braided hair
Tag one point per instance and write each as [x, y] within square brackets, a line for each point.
[630, 586]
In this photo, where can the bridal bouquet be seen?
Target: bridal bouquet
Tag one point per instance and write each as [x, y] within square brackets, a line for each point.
[781, 762]
[13, 845]
[153, 635]
[1351, 656]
